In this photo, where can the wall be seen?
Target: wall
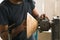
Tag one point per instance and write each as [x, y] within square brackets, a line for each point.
[50, 7]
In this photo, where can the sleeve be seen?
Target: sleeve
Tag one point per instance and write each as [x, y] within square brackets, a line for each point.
[3, 17]
[32, 4]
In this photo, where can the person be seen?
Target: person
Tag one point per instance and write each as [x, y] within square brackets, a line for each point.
[14, 12]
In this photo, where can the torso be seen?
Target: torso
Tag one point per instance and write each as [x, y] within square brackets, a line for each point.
[16, 14]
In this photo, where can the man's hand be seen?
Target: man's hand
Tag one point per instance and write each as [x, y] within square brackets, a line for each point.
[4, 35]
[19, 29]
[43, 20]
[43, 16]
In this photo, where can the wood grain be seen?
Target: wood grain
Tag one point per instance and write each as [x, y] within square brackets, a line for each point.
[31, 25]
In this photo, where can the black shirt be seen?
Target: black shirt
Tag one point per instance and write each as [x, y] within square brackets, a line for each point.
[15, 14]
[12, 13]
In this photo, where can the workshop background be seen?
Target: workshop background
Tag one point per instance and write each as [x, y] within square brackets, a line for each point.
[51, 8]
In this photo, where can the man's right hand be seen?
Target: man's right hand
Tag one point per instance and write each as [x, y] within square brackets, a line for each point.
[4, 35]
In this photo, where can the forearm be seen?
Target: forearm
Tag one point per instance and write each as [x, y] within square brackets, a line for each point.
[19, 29]
[35, 14]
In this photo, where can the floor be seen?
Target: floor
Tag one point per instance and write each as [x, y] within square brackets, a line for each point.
[44, 36]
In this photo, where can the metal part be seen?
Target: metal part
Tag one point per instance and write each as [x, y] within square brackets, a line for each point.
[56, 28]
[44, 25]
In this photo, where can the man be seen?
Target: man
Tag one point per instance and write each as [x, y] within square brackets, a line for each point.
[14, 12]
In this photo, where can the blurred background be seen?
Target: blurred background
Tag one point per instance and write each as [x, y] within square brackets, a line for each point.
[51, 8]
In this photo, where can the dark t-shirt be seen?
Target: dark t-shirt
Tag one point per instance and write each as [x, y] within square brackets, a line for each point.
[13, 13]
